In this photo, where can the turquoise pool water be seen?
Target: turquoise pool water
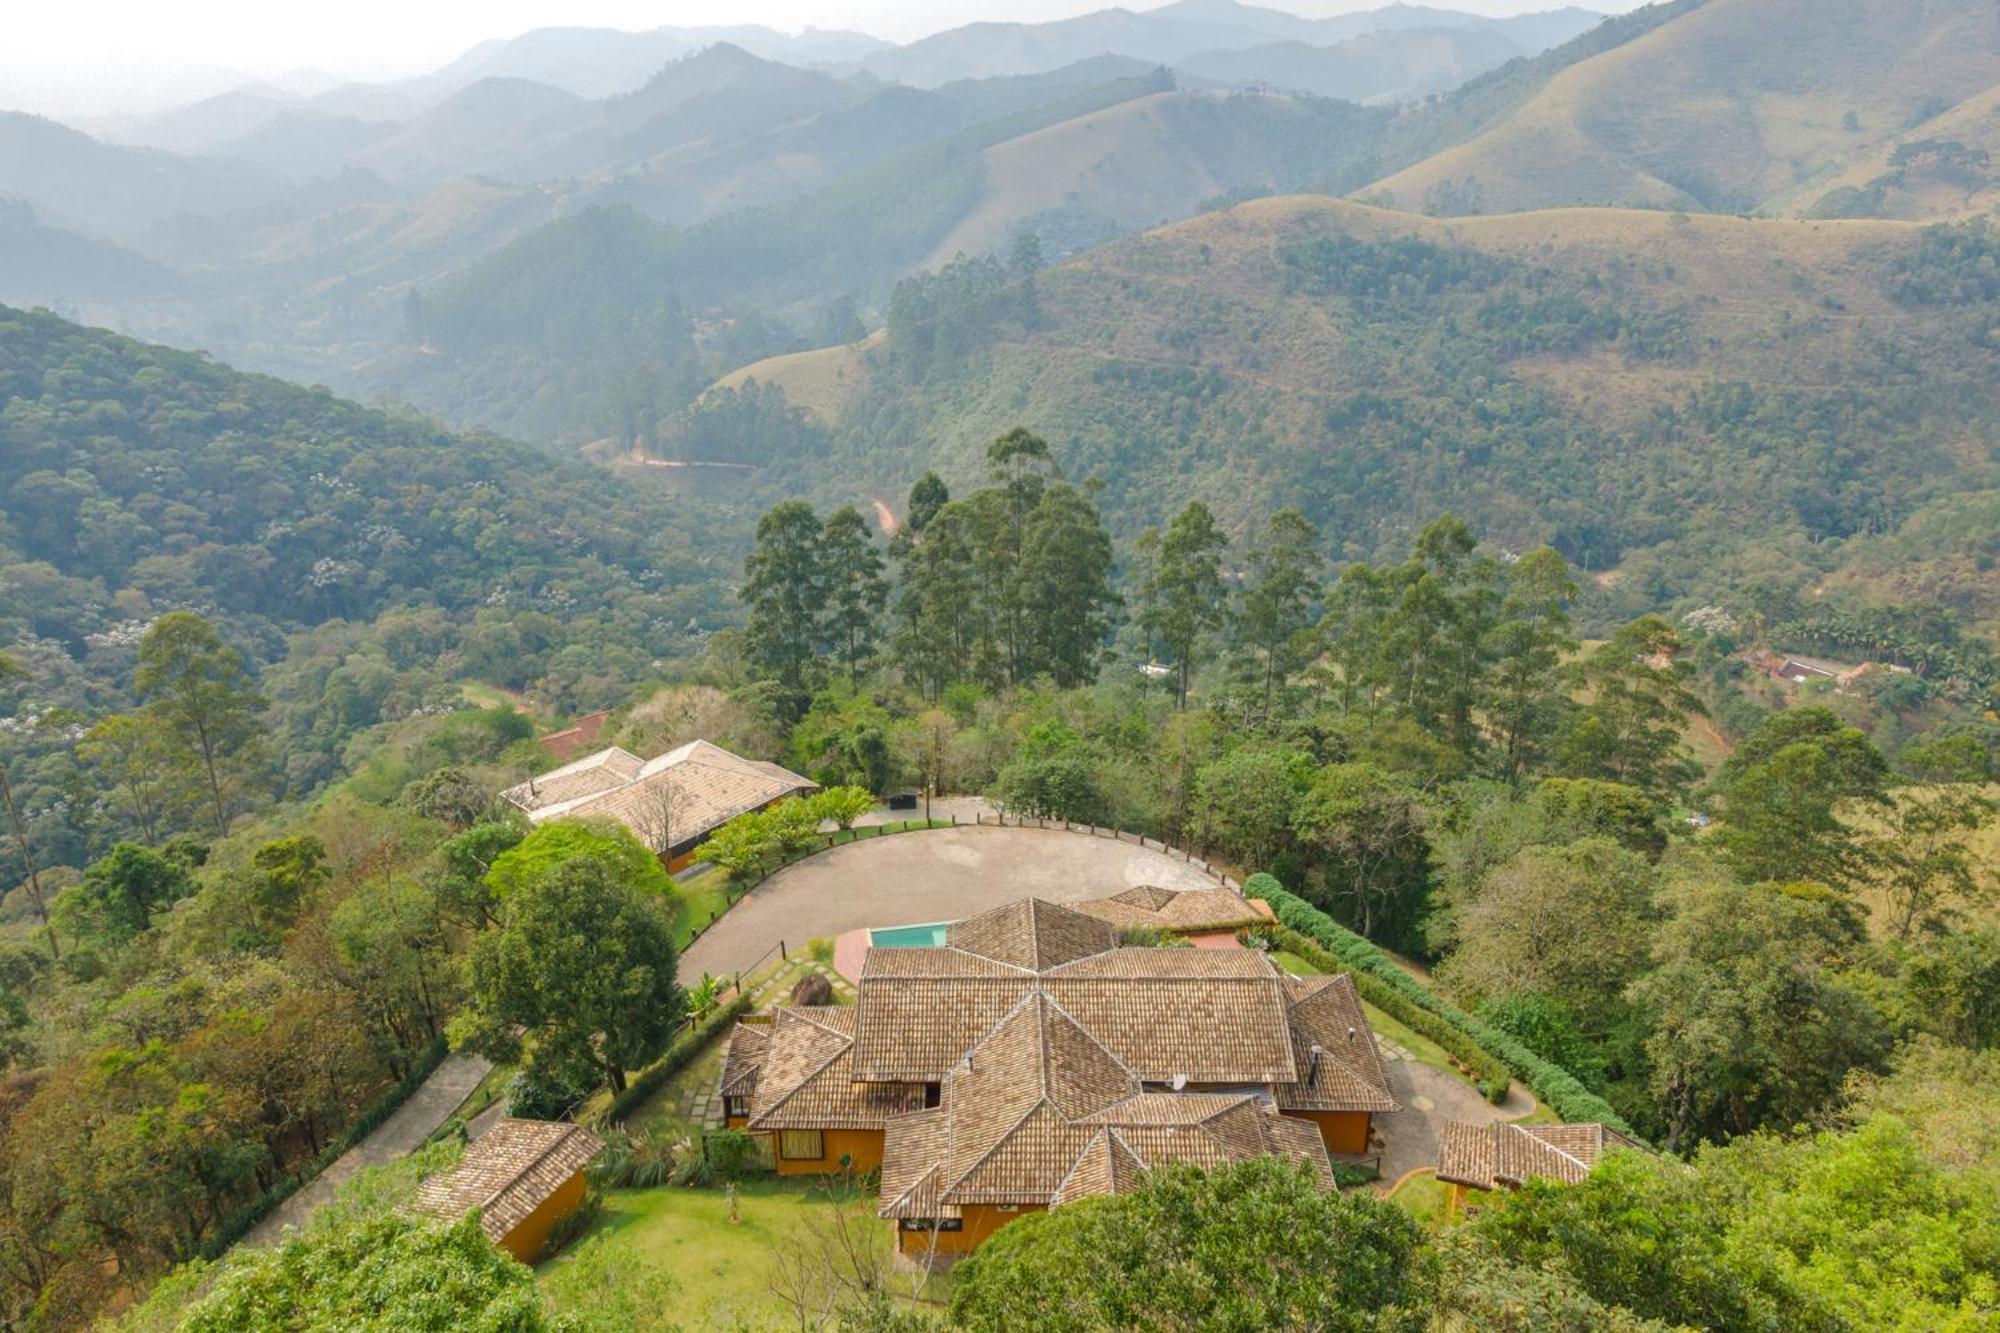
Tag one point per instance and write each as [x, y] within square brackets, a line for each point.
[910, 937]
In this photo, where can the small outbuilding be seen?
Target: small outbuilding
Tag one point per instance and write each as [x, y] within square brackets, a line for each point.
[1507, 1155]
[524, 1176]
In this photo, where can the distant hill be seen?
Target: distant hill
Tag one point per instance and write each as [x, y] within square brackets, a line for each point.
[1177, 32]
[1731, 106]
[1695, 402]
[137, 479]
[116, 191]
[1141, 162]
[1399, 65]
[48, 266]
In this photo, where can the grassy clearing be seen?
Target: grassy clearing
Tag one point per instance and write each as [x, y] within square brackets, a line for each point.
[1423, 1196]
[721, 1270]
[703, 898]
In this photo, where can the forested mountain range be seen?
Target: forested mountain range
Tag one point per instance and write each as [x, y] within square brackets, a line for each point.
[1680, 404]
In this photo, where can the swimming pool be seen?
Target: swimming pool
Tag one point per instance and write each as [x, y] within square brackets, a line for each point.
[910, 937]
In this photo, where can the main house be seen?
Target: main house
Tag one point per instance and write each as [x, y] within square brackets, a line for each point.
[670, 802]
[1031, 1061]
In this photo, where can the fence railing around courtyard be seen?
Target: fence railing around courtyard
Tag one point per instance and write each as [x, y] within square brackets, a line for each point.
[825, 842]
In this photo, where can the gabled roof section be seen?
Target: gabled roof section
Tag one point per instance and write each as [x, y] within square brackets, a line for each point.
[1484, 1156]
[1031, 934]
[1340, 1066]
[806, 1079]
[749, 1044]
[508, 1172]
[667, 801]
[578, 780]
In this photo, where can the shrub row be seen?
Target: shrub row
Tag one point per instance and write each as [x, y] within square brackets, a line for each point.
[1556, 1086]
[237, 1224]
[679, 1055]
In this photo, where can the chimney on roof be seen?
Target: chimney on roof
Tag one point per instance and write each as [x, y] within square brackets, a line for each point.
[1350, 1032]
[1312, 1068]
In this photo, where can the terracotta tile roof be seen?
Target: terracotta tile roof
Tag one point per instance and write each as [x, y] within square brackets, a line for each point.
[508, 1172]
[806, 1079]
[749, 1043]
[1207, 1016]
[1040, 1113]
[1346, 1072]
[667, 801]
[1031, 934]
[592, 775]
[1484, 1156]
[1166, 909]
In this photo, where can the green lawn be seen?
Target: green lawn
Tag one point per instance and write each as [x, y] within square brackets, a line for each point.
[702, 898]
[721, 1270]
[1424, 1197]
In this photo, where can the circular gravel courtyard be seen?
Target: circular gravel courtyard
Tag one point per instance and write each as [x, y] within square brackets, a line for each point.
[934, 875]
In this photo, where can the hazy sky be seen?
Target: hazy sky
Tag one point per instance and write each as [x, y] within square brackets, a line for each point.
[91, 54]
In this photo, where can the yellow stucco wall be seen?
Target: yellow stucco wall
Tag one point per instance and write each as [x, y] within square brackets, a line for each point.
[525, 1241]
[981, 1221]
[1343, 1131]
[863, 1148]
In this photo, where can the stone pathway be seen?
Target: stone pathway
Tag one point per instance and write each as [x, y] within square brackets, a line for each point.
[401, 1134]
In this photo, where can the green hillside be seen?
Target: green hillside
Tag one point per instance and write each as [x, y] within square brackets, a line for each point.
[1679, 404]
[1730, 105]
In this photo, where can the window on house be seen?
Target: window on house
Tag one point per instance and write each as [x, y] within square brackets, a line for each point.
[801, 1145]
[733, 1107]
[928, 1224]
[932, 1094]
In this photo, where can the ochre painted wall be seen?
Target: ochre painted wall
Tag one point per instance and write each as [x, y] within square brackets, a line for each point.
[525, 1241]
[981, 1221]
[862, 1146]
[1343, 1131]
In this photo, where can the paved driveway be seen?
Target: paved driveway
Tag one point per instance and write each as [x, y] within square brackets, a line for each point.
[1430, 1097]
[934, 875]
[401, 1134]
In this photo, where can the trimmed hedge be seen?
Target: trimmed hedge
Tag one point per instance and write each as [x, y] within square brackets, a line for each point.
[679, 1055]
[1556, 1086]
[238, 1223]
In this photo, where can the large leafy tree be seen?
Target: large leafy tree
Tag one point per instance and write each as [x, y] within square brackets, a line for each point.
[1065, 590]
[197, 690]
[1256, 1245]
[850, 570]
[1274, 623]
[513, 866]
[1639, 701]
[1570, 922]
[1187, 602]
[1751, 1021]
[122, 892]
[1782, 791]
[384, 1274]
[582, 965]
[1368, 824]
[784, 590]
